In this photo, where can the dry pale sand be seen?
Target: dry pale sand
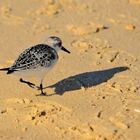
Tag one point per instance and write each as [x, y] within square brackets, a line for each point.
[93, 96]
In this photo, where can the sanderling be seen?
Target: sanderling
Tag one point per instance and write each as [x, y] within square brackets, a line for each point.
[37, 61]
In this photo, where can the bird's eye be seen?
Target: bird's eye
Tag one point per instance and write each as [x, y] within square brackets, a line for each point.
[59, 44]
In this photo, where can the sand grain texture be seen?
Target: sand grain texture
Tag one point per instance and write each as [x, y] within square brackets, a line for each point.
[94, 91]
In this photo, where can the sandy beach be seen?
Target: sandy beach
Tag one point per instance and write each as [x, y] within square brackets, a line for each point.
[94, 92]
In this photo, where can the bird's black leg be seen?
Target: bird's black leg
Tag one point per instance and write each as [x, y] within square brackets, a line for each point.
[28, 83]
[41, 89]
[33, 86]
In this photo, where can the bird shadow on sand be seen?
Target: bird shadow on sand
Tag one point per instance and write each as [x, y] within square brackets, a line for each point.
[85, 80]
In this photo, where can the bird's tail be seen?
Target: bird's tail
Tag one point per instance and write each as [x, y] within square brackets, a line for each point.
[4, 69]
[9, 71]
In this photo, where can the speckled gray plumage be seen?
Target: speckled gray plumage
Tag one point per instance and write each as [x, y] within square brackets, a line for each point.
[40, 55]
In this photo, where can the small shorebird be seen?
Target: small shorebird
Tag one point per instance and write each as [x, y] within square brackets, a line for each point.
[37, 61]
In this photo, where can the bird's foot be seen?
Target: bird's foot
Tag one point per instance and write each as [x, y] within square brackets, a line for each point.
[42, 94]
[34, 86]
[27, 82]
[41, 89]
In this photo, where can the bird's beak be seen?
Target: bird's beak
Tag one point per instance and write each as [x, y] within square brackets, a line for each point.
[64, 49]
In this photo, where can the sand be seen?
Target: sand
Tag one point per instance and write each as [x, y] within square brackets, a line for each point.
[94, 93]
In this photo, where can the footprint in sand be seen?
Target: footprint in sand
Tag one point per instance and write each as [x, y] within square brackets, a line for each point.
[85, 29]
[8, 17]
[49, 9]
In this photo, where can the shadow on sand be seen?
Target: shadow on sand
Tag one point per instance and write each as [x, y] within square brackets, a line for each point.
[86, 80]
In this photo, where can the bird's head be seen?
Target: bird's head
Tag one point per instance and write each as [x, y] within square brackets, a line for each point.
[56, 43]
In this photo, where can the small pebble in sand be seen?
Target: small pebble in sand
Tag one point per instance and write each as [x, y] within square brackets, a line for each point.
[24, 129]
[130, 27]
[3, 111]
[30, 117]
[6, 10]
